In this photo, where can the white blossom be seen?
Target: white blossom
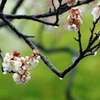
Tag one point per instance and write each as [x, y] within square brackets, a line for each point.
[74, 20]
[22, 59]
[96, 12]
[11, 65]
[21, 70]
[32, 62]
[73, 28]
[15, 63]
[21, 79]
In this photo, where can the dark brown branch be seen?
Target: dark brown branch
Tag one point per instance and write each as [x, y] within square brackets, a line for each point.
[3, 17]
[47, 62]
[1, 60]
[94, 40]
[30, 17]
[91, 39]
[89, 48]
[79, 40]
[72, 66]
[61, 9]
[93, 52]
[57, 13]
[93, 28]
[92, 48]
[2, 5]
[57, 72]
[53, 5]
[18, 4]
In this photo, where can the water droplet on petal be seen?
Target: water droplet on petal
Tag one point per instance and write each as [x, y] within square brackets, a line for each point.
[61, 78]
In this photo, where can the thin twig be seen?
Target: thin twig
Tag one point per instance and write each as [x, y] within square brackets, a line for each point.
[94, 47]
[57, 13]
[79, 40]
[53, 5]
[93, 28]
[1, 60]
[29, 17]
[3, 17]
[18, 4]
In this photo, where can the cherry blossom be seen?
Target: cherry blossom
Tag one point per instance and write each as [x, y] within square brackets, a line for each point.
[11, 63]
[74, 20]
[21, 78]
[96, 12]
[15, 63]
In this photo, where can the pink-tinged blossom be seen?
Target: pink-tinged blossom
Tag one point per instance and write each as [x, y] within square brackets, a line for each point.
[74, 20]
[75, 12]
[32, 61]
[21, 78]
[10, 64]
[35, 51]
[15, 63]
[71, 2]
[73, 28]
[74, 23]
[96, 12]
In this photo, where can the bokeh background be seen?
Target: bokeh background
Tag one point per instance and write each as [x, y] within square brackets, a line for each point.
[44, 84]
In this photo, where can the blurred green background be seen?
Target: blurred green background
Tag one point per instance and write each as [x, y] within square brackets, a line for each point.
[44, 84]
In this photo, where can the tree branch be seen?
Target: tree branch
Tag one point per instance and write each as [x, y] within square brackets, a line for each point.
[79, 40]
[3, 17]
[93, 28]
[61, 10]
[19, 3]
[2, 5]
[1, 60]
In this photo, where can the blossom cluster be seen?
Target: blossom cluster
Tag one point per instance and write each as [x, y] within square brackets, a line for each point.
[71, 2]
[96, 12]
[15, 63]
[74, 20]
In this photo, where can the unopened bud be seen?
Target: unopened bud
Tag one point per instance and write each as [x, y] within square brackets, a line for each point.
[36, 51]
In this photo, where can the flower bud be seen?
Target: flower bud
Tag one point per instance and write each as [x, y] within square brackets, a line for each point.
[71, 2]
